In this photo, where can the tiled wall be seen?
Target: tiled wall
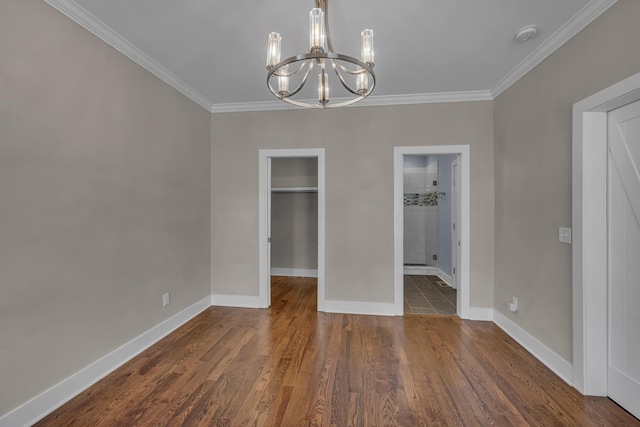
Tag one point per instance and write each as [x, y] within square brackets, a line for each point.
[421, 212]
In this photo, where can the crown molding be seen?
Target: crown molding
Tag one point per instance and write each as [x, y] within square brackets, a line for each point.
[428, 98]
[98, 28]
[420, 98]
[580, 20]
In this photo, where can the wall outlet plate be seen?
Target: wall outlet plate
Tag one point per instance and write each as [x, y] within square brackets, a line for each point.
[513, 305]
[166, 299]
[564, 235]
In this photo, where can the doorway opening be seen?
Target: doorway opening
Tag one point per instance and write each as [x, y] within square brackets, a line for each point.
[451, 247]
[429, 224]
[292, 218]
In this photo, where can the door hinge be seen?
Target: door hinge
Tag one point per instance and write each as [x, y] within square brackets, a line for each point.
[454, 225]
[268, 239]
[454, 270]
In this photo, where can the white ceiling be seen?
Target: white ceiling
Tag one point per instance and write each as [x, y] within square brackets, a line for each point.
[426, 51]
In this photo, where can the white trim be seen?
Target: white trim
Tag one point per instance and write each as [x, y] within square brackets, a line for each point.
[464, 264]
[98, 28]
[35, 409]
[445, 277]
[294, 272]
[455, 219]
[419, 270]
[480, 313]
[584, 17]
[244, 301]
[263, 227]
[552, 360]
[360, 307]
[428, 98]
[419, 98]
[589, 249]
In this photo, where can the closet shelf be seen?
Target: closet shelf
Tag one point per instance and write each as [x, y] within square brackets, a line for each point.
[294, 189]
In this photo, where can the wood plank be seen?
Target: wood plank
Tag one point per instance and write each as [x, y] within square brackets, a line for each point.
[292, 366]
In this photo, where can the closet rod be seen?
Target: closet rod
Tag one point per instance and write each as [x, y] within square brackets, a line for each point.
[294, 189]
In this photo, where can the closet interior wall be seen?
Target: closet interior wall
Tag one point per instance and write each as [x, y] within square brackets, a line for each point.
[294, 217]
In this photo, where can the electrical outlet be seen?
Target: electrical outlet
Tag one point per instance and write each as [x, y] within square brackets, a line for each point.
[166, 299]
[435, 257]
[564, 235]
[513, 305]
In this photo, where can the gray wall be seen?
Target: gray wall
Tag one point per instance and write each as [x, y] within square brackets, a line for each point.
[359, 190]
[294, 215]
[533, 122]
[294, 172]
[104, 200]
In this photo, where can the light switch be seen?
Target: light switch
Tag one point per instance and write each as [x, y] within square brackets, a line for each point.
[564, 235]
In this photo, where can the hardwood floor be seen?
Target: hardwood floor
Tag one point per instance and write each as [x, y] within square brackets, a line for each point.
[292, 366]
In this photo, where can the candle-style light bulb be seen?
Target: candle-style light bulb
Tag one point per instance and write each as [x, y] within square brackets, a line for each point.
[283, 81]
[323, 88]
[362, 82]
[317, 36]
[366, 54]
[273, 49]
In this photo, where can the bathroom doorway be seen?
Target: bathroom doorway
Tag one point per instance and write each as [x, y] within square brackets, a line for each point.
[423, 242]
[428, 199]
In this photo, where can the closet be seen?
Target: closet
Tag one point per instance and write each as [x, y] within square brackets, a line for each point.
[294, 217]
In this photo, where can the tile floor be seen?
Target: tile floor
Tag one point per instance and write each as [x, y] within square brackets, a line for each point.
[423, 295]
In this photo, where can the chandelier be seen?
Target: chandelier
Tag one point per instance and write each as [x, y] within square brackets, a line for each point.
[355, 76]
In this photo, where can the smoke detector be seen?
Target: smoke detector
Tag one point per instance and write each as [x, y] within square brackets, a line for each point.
[525, 33]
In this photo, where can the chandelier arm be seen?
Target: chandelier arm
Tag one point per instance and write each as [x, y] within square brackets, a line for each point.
[357, 71]
[277, 72]
[273, 70]
[304, 79]
[344, 83]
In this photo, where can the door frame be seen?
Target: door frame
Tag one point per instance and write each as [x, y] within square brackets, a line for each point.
[264, 218]
[463, 152]
[589, 218]
[455, 216]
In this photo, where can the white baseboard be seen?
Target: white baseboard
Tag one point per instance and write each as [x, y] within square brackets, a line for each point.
[294, 272]
[445, 278]
[480, 313]
[553, 361]
[416, 270]
[359, 307]
[37, 408]
[243, 301]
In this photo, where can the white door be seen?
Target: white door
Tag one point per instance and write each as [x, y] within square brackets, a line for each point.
[455, 222]
[624, 257]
